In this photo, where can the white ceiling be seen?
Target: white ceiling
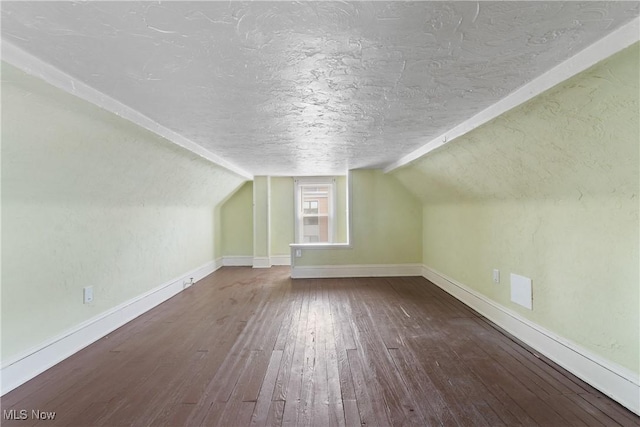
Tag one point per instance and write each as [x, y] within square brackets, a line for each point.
[306, 88]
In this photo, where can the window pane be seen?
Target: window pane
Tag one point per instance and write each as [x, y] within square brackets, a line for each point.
[311, 207]
[316, 229]
[314, 211]
[310, 239]
[311, 220]
[315, 199]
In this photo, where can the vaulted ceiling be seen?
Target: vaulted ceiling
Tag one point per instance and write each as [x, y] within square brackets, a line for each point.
[308, 88]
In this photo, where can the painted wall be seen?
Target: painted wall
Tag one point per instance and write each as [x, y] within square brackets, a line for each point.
[236, 216]
[91, 199]
[261, 239]
[550, 191]
[386, 222]
[282, 215]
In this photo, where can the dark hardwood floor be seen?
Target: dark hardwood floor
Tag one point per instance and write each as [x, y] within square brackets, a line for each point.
[253, 347]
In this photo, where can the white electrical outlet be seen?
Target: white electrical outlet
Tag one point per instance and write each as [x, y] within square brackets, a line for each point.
[298, 253]
[496, 276]
[87, 294]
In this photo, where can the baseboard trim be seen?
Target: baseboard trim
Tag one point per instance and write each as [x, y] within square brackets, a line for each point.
[617, 382]
[261, 262]
[257, 262]
[280, 260]
[366, 270]
[237, 261]
[37, 360]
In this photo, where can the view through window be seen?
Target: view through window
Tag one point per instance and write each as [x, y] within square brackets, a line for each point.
[315, 212]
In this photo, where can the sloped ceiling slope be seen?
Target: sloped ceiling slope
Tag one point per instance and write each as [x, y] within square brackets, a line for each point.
[578, 139]
[304, 88]
[60, 150]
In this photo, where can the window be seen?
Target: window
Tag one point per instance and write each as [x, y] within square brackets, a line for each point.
[315, 210]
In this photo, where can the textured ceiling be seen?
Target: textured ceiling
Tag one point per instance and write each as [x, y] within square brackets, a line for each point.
[304, 88]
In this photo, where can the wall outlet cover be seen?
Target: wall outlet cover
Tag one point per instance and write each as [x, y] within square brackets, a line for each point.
[87, 294]
[496, 276]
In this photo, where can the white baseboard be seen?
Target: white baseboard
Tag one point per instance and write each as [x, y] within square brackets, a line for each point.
[37, 360]
[257, 262]
[237, 261]
[261, 262]
[367, 270]
[280, 259]
[617, 382]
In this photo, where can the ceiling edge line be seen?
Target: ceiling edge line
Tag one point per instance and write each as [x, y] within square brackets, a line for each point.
[607, 46]
[36, 67]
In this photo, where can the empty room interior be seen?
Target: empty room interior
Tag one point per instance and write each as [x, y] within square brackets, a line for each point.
[320, 213]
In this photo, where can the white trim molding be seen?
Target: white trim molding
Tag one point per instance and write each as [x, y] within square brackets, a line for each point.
[237, 261]
[280, 259]
[609, 45]
[364, 270]
[255, 262]
[261, 262]
[58, 78]
[617, 382]
[33, 362]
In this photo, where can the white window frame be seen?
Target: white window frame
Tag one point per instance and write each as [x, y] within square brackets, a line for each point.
[299, 184]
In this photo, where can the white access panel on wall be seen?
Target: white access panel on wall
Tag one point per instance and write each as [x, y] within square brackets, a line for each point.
[521, 290]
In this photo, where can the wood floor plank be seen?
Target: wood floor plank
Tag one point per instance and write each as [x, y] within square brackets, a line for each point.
[340, 326]
[534, 406]
[236, 412]
[371, 407]
[434, 409]
[374, 339]
[175, 414]
[253, 347]
[274, 419]
[613, 410]
[288, 347]
[568, 410]
[311, 382]
[292, 392]
[586, 408]
[264, 400]
[334, 395]
[373, 359]
[351, 413]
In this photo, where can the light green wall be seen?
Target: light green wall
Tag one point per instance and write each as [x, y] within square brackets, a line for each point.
[550, 191]
[261, 216]
[217, 232]
[386, 221]
[91, 199]
[282, 215]
[236, 215]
